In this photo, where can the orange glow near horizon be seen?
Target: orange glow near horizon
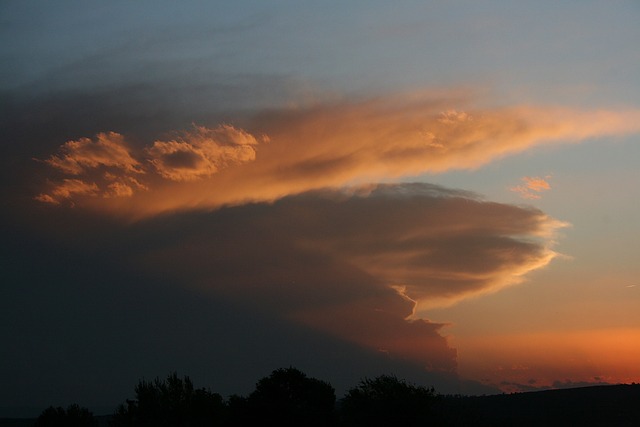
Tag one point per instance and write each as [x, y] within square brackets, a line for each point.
[540, 359]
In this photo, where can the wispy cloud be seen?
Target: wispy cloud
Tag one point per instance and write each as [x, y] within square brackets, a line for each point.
[532, 187]
[69, 189]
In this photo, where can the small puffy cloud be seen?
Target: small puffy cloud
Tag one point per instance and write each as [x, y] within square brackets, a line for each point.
[122, 186]
[202, 153]
[532, 187]
[46, 198]
[115, 173]
[84, 154]
[537, 184]
[106, 162]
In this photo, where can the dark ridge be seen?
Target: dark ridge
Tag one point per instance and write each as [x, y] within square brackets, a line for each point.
[605, 405]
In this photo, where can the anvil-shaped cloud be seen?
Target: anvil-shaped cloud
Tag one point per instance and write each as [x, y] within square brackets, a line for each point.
[285, 219]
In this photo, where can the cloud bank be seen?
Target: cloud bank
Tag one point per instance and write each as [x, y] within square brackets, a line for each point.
[290, 151]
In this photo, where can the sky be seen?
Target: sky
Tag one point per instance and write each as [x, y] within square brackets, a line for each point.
[442, 191]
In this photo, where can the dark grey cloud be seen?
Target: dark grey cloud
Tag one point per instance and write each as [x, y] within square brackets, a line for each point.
[91, 304]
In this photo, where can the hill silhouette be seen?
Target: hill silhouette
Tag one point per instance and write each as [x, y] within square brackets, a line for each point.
[603, 405]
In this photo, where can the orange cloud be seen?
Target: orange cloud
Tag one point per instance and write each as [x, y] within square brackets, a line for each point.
[532, 187]
[68, 189]
[337, 145]
[115, 173]
[202, 153]
[84, 154]
[107, 163]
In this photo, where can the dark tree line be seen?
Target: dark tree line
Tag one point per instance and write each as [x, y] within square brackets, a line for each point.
[172, 402]
[73, 416]
[287, 397]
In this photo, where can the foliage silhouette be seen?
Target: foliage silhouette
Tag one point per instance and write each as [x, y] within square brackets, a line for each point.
[386, 400]
[287, 397]
[173, 402]
[73, 416]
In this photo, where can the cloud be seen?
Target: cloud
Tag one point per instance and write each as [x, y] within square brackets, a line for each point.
[83, 312]
[84, 154]
[68, 189]
[436, 245]
[202, 153]
[334, 144]
[114, 172]
[357, 263]
[104, 167]
[293, 229]
[302, 233]
[532, 187]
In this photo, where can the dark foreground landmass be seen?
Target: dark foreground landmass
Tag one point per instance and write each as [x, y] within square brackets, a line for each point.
[610, 405]
[381, 401]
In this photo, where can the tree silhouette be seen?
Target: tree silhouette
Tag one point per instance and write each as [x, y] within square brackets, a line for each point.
[386, 400]
[287, 398]
[173, 402]
[74, 416]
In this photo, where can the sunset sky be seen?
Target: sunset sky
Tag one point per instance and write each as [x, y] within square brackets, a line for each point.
[444, 191]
